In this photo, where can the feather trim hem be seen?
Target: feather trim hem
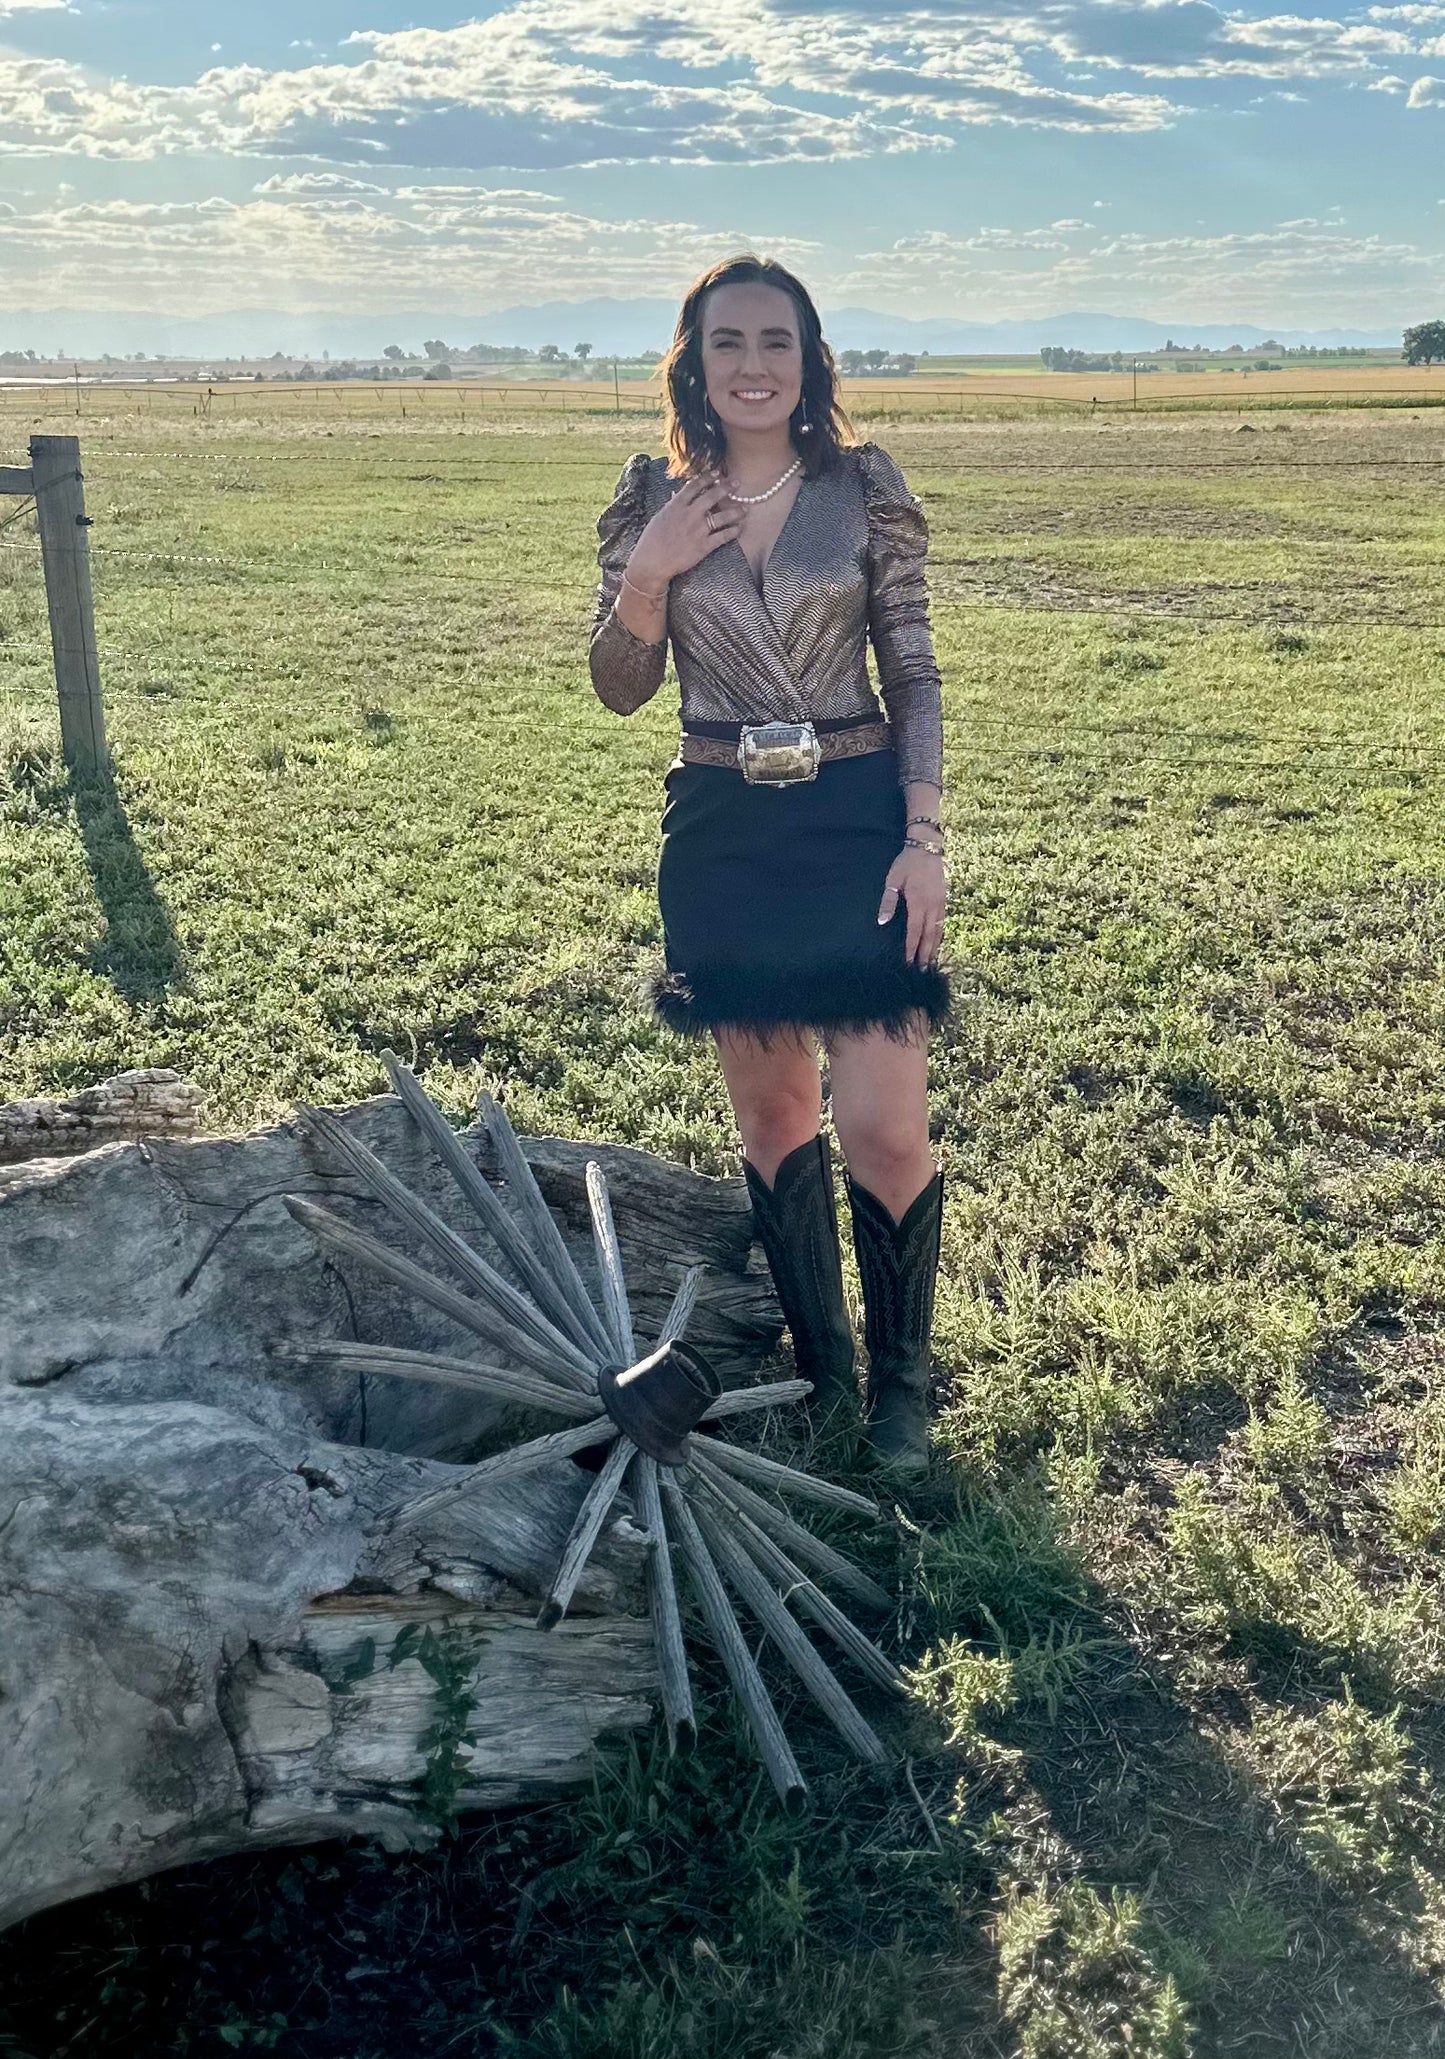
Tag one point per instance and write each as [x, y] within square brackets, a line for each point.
[844, 1000]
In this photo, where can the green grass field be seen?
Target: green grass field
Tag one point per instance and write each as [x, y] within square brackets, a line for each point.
[1173, 1600]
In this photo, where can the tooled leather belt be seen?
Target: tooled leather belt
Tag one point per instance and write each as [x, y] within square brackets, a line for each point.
[842, 736]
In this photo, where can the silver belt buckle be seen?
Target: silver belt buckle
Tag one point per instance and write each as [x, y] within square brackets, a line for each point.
[778, 753]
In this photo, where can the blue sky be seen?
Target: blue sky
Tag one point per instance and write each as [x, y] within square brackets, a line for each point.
[1171, 158]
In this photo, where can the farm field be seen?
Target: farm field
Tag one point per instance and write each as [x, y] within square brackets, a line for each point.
[963, 390]
[1173, 1600]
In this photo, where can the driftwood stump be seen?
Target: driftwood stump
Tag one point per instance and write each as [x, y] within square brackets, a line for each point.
[211, 1638]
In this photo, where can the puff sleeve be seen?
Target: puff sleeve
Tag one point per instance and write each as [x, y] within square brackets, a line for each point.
[898, 624]
[625, 670]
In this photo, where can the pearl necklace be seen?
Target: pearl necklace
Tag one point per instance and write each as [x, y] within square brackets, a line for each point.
[750, 500]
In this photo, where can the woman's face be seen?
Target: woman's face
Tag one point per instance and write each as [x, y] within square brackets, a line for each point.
[752, 355]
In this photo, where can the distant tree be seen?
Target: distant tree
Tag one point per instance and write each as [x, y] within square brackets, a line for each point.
[582, 350]
[436, 349]
[548, 354]
[395, 352]
[1424, 343]
[1057, 359]
[440, 370]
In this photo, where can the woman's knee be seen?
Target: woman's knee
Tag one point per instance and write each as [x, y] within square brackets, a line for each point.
[778, 1117]
[883, 1144]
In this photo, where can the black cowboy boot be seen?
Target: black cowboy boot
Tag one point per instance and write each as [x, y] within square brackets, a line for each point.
[797, 1225]
[897, 1266]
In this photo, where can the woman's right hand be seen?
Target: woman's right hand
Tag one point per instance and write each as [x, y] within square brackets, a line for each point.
[679, 537]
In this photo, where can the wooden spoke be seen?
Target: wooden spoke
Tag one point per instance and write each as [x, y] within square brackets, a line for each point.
[495, 1219]
[584, 1533]
[722, 1623]
[472, 1270]
[335, 1235]
[739, 1401]
[522, 1458]
[536, 1221]
[609, 1265]
[825, 1612]
[788, 1480]
[435, 1369]
[804, 1546]
[677, 1706]
[766, 1606]
[683, 1302]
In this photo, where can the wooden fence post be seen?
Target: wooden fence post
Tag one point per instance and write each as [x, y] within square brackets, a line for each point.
[57, 483]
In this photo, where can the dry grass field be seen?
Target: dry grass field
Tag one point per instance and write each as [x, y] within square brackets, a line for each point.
[1173, 1600]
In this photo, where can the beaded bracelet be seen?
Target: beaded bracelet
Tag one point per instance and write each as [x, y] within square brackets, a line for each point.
[918, 844]
[931, 821]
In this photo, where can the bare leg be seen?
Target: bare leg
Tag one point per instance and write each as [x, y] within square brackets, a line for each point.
[776, 1091]
[879, 1094]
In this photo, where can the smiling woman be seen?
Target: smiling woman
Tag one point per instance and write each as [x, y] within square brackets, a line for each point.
[800, 878]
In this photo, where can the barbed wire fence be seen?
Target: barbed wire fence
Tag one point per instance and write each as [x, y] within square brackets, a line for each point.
[63, 549]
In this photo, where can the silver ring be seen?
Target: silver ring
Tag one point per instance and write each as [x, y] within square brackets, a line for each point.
[709, 523]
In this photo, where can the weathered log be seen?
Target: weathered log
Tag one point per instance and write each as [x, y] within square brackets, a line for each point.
[151, 1101]
[213, 1633]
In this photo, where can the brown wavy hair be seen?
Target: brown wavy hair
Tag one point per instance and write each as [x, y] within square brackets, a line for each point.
[692, 440]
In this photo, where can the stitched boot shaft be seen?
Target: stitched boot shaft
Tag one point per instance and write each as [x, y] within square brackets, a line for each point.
[797, 1225]
[897, 1267]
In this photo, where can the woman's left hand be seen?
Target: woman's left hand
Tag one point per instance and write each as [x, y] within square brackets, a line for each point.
[919, 877]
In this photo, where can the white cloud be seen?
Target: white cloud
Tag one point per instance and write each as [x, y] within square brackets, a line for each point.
[315, 182]
[326, 251]
[434, 249]
[1427, 92]
[547, 84]
[1304, 272]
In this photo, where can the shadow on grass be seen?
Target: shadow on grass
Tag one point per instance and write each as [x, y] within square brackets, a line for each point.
[140, 953]
[675, 1913]
[672, 1913]
[1270, 1953]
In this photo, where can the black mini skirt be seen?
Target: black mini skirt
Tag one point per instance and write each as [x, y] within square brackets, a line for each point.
[769, 901]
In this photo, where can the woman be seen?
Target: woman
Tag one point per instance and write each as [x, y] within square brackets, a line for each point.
[801, 879]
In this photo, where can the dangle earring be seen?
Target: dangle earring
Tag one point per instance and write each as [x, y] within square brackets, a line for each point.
[805, 427]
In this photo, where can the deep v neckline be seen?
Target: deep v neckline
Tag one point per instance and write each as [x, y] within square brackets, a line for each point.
[760, 584]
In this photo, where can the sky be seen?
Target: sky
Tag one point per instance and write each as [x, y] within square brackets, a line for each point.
[1169, 158]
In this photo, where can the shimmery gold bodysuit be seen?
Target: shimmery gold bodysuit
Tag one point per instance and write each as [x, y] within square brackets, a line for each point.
[847, 568]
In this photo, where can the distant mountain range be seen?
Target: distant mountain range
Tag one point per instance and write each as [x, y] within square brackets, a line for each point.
[623, 327]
